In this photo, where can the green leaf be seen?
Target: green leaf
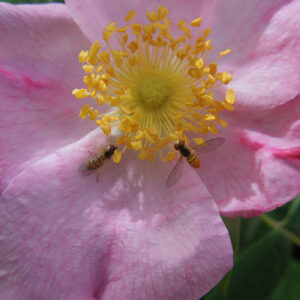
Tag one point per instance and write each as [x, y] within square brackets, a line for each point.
[257, 270]
[234, 228]
[287, 217]
[278, 227]
[252, 230]
[292, 219]
[289, 287]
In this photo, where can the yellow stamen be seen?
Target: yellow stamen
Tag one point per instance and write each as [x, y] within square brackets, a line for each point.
[162, 12]
[170, 156]
[83, 55]
[130, 15]
[196, 22]
[230, 96]
[88, 68]
[80, 93]
[199, 141]
[117, 156]
[199, 63]
[225, 52]
[160, 85]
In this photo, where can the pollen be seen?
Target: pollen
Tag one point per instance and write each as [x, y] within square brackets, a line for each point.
[159, 78]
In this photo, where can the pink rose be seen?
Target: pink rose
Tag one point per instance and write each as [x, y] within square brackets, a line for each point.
[128, 236]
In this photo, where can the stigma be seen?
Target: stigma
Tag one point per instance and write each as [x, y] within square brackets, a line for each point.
[159, 81]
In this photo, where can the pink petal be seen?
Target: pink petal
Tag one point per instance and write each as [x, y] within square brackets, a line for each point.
[39, 67]
[258, 168]
[265, 57]
[93, 15]
[65, 236]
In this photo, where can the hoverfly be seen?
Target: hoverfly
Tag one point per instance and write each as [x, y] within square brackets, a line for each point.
[97, 160]
[192, 159]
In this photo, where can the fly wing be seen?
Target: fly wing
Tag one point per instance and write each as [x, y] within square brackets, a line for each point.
[176, 173]
[210, 145]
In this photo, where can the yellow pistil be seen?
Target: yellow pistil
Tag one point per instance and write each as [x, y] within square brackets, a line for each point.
[160, 86]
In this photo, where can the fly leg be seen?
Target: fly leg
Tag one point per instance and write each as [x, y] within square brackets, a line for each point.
[97, 177]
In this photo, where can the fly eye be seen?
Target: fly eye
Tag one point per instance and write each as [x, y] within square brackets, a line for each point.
[179, 145]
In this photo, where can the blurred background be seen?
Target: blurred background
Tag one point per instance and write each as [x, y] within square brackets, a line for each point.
[267, 251]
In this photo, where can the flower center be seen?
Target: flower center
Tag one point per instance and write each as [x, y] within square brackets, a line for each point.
[153, 92]
[160, 86]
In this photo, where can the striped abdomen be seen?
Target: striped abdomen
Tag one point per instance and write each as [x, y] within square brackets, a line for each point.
[193, 161]
[95, 162]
